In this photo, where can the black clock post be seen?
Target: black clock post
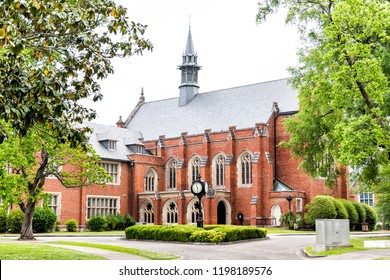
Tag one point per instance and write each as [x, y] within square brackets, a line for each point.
[199, 189]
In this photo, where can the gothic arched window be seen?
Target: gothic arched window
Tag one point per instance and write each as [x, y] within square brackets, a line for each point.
[170, 212]
[171, 174]
[150, 180]
[147, 213]
[245, 169]
[194, 169]
[219, 171]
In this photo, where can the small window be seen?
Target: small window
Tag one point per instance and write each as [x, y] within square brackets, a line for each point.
[367, 198]
[299, 204]
[112, 145]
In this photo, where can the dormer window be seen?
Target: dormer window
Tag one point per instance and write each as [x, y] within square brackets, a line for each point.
[111, 145]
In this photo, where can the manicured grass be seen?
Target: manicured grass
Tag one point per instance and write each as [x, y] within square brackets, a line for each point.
[12, 251]
[277, 230]
[142, 253]
[357, 245]
[62, 233]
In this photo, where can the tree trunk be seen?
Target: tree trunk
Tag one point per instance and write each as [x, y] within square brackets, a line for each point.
[27, 231]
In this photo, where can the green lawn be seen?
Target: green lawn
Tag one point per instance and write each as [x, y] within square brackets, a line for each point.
[357, 245]
[12, 251]
[142, 253]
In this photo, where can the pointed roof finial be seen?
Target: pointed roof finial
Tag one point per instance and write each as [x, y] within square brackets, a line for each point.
[190, 44]
[120, 123]
[142, 97]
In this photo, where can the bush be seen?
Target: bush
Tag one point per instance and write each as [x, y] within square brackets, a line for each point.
[321, 207]
[3, 220]
[96, 223]
[235, 233]
[129, 220]
[43, 220]
[353, 215]
[207, 236]
[340, 209]
[371, 216]
[361, 214]
[184, 233]
[71, 225]
[15, 220]
[115, 222]
[292, 221]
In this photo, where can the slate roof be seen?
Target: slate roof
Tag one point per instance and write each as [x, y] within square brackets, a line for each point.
[242, 107]
[123, 137]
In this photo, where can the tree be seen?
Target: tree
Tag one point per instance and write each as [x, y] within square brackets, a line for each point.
[52, 55]
[28, 160]
[342, 82]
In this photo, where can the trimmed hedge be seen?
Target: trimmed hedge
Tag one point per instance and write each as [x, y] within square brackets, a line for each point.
[321, 207]
[185, 233]
[340, 209]
[361, 213]
[353, 215]
[371, 216]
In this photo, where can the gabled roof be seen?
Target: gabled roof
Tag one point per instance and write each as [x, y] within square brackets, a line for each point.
[242, 107]
[123, 137]
[279, 186]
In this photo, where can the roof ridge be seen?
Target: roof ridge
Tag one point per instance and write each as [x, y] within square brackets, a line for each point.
[212, 91]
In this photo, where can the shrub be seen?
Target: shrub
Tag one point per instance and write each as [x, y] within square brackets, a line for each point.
[96, 223]
[207, 236]
[235, 233]
[371, 216]
[185, 233]
[129, 220]
[288, 220]
[71, 225]
[115, 222]
[361, 214]
[340, 209]
[353, 215]
[321, 207]
[15, 220]
[43, 220]
[3, 220]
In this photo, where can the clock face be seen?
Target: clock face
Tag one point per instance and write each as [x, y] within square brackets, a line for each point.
[197, 187]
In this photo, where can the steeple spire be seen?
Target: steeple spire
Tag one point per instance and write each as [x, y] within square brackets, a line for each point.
[189, 72]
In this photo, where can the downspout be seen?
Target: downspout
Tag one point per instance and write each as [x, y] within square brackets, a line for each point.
[131, 194]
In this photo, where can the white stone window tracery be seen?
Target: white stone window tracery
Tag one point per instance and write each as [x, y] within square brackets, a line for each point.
[245, 169]
[194, 170]
[150, 180]
[147, 213]
[170, 212]
[171, 174]
[219, 171]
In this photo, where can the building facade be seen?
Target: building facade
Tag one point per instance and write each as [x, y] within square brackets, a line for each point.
[230, 138]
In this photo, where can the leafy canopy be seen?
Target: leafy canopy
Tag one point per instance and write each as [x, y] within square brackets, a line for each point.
[52, 54]
[31, 159]
[342, 81]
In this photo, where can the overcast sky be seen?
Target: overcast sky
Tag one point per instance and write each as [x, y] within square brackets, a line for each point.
[232, 50]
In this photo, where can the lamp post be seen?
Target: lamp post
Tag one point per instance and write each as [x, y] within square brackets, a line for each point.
[289, 198]
[199, 189]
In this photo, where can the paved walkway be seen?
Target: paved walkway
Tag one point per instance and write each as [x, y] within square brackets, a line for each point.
[275, 247]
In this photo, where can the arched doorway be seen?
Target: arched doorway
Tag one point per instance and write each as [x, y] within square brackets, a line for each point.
[221, 213]
[276, 214]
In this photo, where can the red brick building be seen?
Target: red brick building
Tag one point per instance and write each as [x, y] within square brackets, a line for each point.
[227, 137]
